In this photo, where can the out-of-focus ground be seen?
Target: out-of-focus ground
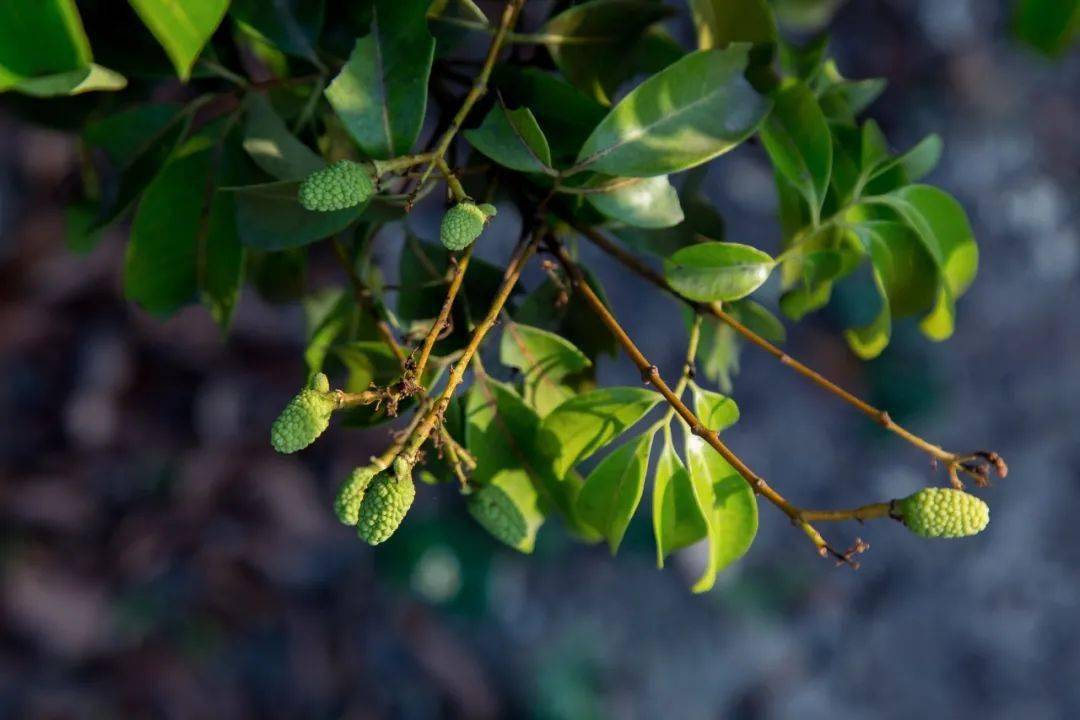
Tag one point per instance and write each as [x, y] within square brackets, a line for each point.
[157, 559]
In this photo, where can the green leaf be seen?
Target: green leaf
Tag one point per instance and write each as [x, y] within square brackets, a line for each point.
[719, 347]
[127, 133]
[722, 22]
[273, 148]
[40, 38]
[509, 508]
[717, 412]
[381, 93]
[594, 39]
[513, 139]
[182, 246]
[913, 165]
[91, 78]
[271, 218]
[645, 202]
[905, 276]
[182, 27]
[678, 520]
[583, 424]
[612, 491]
[717, 271]
[683, 116]
[843, 99]
[547, 307]
[1047, 25]
[568, 114]
[796, 136]
[502, 434]
[729, 504]
[545, 360]
[329, 315]
[942, 225]
[292, 26]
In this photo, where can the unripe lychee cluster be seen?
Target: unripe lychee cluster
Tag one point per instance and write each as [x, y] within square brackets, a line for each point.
[463, 223]
[344, 184]
[385, 502]
[943, 513]
[305, 417]
[496, 512]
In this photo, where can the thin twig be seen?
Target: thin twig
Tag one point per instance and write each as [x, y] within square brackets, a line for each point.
[433, 417]
[479, 88]
[651, 374]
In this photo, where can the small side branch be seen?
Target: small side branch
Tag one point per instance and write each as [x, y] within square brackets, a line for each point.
[977, 465]
[651, 374]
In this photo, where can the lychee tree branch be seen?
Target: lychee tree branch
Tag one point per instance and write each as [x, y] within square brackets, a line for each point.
[433, 417]
[651, 375]
[976, 465]
[480, 85]
[456, 455]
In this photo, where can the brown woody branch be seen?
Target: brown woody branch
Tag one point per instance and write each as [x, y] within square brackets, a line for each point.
[977, 465]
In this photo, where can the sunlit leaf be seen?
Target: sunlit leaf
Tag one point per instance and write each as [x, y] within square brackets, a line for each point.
[381, 93]
[717, 271]
[545, 359]
[182, 28]
[613, 490]
[678, 519]
[640, 202]
[798, 141]
[683, 116]
[593, 39]
[585, 423]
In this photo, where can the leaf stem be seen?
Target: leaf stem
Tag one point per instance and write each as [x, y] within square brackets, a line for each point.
[967, 463]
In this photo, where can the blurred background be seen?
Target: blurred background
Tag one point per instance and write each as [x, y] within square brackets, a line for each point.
[158, 559]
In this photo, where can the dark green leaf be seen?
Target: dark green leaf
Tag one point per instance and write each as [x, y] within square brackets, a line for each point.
[183, 246]
[502, 434]
[271, 218]
[942, 225]
[513, 139]
[126, 134]
[639, 202]
[678, 520]
[594, 39]
[381, 93]
[584, 424]
[683, 116]
[1048, 25]
[612, 491]
[91, 78]
[182, 28]
[568, 114]
[549, 307]
[798, 141]
[722, 22]
[717, 271]
[40, 38]
[292, 26]
[545, 360]
[273, 148]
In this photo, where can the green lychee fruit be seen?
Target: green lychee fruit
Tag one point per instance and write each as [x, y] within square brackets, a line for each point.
[463, 223]
[943, 513]
[387, 499]
[303, 420]
[344, 184]
[496, 512]
[351, 494]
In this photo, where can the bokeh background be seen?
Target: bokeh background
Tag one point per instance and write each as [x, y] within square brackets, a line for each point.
[157, 559]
